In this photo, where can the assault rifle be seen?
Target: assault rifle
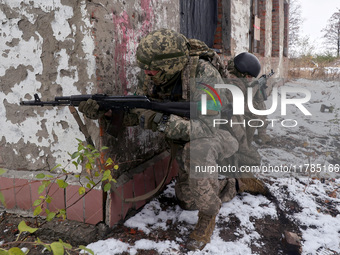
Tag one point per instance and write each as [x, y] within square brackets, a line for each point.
[118, 105]
[121, 103]
[263, 84]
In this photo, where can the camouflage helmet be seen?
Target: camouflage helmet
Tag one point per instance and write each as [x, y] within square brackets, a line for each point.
[247, 63]
[164, 50]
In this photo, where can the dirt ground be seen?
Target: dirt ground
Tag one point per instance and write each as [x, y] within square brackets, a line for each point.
[75, 233]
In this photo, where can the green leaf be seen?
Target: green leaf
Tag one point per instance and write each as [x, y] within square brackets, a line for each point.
[46, 182]
[109, 162]
[15, 251]
[3, 252]
[40, 176]
[75, 163]
[88, 166]
[106, 175]
[59, 165]
[24, 228]
[41, 243]
[62, 184]
[47, 247]
[81, 190]
[104, 148]
[37, 210]
[75, 155]
[37, 202]
[90, 147]
[48, 199]
[38, 241]
[66, 245]
[61, 214]
[50, 216]
[2, 199]
[2, 171]
[107, 187]
[41, 189]
[57, 248]
[82, 247]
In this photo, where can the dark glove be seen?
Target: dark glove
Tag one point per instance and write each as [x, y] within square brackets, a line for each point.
[146, 120]
[91, 109]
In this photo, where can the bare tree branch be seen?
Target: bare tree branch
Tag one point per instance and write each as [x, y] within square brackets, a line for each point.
[332, 32]
[295, 22]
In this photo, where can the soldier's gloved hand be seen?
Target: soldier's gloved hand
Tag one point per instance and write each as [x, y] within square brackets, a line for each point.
[177, 128]
[146, 120]
[91, 109]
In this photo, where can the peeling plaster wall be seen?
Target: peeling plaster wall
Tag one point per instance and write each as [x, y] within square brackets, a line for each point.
[117, 29]
[46, 49]
[65, 47]
[281, 58]
[268, 34]
[240, 20]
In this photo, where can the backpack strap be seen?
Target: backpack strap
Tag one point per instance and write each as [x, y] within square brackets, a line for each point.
[188, 76]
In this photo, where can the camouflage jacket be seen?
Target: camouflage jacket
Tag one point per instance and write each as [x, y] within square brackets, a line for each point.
[191, 82]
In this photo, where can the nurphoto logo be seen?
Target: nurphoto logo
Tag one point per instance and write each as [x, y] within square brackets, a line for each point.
[239, 102]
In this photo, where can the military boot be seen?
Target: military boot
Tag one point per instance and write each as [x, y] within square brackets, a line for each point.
[252, 185]
[202, 232]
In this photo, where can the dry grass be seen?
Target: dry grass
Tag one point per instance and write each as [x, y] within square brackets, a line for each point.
[309, 68]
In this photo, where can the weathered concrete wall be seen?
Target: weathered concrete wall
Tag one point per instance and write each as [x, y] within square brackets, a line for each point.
[268, 32]
[118, 27]
[47, 49]
[281, 29]
[65, 47]
[240, 21]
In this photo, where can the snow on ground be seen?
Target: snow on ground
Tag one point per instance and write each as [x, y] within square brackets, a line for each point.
[310, 198]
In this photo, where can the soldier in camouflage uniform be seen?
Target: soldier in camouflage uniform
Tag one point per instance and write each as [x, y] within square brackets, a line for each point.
[242, 79]
[247, 153]
[168, 74]
[167, 52]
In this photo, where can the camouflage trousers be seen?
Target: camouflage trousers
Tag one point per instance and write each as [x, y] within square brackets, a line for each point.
[205, 191]
[259, 105]
[247, 154]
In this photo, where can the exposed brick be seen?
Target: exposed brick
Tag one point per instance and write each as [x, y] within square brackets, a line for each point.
[218, 41]
[159, 171]
[217, 46]
[173, 170]
[139, 188]
[116, 207]
[149, 179]
[22, 194]
[58, 197]
[7, 189]
[128, 193]
[75, 208]
[94, 207]
[34, 195]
